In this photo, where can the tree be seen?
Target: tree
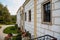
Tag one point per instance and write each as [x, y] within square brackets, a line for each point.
[1, 13]
[13, 17]
[5, 17]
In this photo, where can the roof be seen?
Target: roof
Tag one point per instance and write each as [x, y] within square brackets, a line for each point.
[25, 2]
[23, 5]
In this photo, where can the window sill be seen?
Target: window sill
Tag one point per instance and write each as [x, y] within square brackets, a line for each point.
[47, 23]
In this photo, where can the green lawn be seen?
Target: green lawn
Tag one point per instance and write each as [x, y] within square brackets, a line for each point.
[10, 29]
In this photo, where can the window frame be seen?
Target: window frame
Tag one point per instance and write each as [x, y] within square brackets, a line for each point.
[29, 15]
[25, 16]
[42, 12]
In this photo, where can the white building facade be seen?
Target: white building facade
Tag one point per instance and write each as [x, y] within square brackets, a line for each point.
[42, 28]
[18, 18]
[42, 17]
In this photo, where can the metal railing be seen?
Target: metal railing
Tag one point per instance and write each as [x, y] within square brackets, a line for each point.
[45, 37]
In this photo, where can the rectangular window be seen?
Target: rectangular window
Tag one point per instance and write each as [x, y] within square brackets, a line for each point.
[25, 16]
[47, 12]
[29, 15]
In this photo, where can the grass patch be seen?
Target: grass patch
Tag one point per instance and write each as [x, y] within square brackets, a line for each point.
[10, 29]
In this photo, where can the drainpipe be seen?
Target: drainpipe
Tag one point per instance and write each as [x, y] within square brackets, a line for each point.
[35, 18]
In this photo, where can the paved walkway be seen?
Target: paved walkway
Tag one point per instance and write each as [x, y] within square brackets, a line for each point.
[2, 35]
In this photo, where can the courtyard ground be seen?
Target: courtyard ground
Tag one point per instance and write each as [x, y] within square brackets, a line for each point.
[2, 35]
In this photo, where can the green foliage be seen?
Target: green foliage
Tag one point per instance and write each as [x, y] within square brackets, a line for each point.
[5, 17]
[14, 38]
[18, 37]
[13, 17]
[10, 29]
[28, 34]
[0, 27]
[16, 25]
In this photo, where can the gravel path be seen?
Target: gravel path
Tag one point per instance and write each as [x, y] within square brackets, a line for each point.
[2, 35]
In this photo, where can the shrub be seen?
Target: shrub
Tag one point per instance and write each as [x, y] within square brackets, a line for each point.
[16, 26]
[0, 27]
[28, 34]
[14, 38]
[10, 29]
[18, 37]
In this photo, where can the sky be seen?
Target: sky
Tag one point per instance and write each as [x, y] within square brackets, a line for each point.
[12, 5]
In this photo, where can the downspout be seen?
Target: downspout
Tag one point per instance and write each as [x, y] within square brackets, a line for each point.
[35, 18]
